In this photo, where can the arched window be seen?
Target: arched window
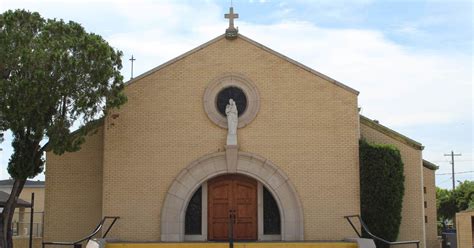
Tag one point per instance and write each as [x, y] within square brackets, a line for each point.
[271, 214]
[192, 225]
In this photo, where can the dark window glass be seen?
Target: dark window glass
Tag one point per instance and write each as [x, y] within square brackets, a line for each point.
[193, 214]
[271, 214]
[235, 94]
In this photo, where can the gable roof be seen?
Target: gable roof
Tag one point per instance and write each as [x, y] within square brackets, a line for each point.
[19, 203]
[28, 183]
[390, 132]
[92, 126]
[240, 36]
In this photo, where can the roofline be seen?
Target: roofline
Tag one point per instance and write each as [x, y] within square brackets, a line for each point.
[20, 203]
[267, 49]
[92, 125]
[28, 183]
[97, 123]
[302, 66]
[174, 60]
[391, 133]
[427, 164]
[25, 186]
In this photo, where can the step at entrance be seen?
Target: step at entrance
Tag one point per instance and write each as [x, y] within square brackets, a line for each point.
[236, 245]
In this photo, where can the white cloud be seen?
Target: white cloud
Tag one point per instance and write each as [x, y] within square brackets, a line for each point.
[166, 31]
[400, 86]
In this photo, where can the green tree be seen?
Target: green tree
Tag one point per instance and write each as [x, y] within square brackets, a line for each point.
[445, 204]
[381, 189]
[449, 202]
[464, 194]
[53, 74]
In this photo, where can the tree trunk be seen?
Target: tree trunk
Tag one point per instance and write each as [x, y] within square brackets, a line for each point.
[6, 217]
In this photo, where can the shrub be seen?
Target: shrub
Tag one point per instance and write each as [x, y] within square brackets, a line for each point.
[381, 189]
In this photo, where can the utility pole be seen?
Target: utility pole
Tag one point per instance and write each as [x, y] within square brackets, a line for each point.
[452, 163]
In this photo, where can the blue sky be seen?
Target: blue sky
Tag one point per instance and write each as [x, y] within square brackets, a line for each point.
[411, 60]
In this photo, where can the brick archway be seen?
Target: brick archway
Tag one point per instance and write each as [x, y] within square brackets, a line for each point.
[212, 165]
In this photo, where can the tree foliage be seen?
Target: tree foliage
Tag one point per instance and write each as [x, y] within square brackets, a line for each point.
[381, 189]
[445, 204]
[449, 202]
[52, 74]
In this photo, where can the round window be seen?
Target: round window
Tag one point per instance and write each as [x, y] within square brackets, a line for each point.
[236, 87]
[235, 94]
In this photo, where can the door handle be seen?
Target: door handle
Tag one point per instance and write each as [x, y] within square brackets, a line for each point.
[232, 215]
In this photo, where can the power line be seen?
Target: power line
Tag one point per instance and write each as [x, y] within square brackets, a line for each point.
[461, 172]
[447, 161]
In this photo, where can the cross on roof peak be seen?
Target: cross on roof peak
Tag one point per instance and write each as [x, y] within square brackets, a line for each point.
[231, 31]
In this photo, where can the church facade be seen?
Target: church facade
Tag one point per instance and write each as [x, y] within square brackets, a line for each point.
[164, 164]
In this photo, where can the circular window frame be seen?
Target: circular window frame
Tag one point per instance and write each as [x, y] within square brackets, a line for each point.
[228, 80]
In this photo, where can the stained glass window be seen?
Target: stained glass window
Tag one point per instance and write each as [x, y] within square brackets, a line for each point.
[271, 214]
[192, 223]
[235, 94]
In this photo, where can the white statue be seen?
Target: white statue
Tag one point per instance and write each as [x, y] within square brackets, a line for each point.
[232, 122]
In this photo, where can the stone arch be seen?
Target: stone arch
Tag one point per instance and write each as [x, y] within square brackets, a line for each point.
[212, 165]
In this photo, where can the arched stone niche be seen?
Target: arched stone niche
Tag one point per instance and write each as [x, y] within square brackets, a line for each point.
[212, 165]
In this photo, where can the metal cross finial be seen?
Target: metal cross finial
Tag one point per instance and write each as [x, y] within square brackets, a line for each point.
[132, 59]
[231, 32]
[231, 16]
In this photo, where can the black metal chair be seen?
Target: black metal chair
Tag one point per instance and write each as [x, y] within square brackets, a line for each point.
[366, 229]
[78, 243]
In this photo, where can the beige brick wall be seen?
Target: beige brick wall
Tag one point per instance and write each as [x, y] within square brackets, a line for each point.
[39, 197]
[23, 215]
[73, 204]
[465, 229]
[430, 210]
[306, 125]
[26, 196]
[412, 226]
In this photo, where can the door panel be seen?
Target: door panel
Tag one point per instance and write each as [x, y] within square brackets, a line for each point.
[219, 205]
[227, 193]
[245, 204]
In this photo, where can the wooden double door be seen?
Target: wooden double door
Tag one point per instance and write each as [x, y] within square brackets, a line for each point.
[232, 198]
